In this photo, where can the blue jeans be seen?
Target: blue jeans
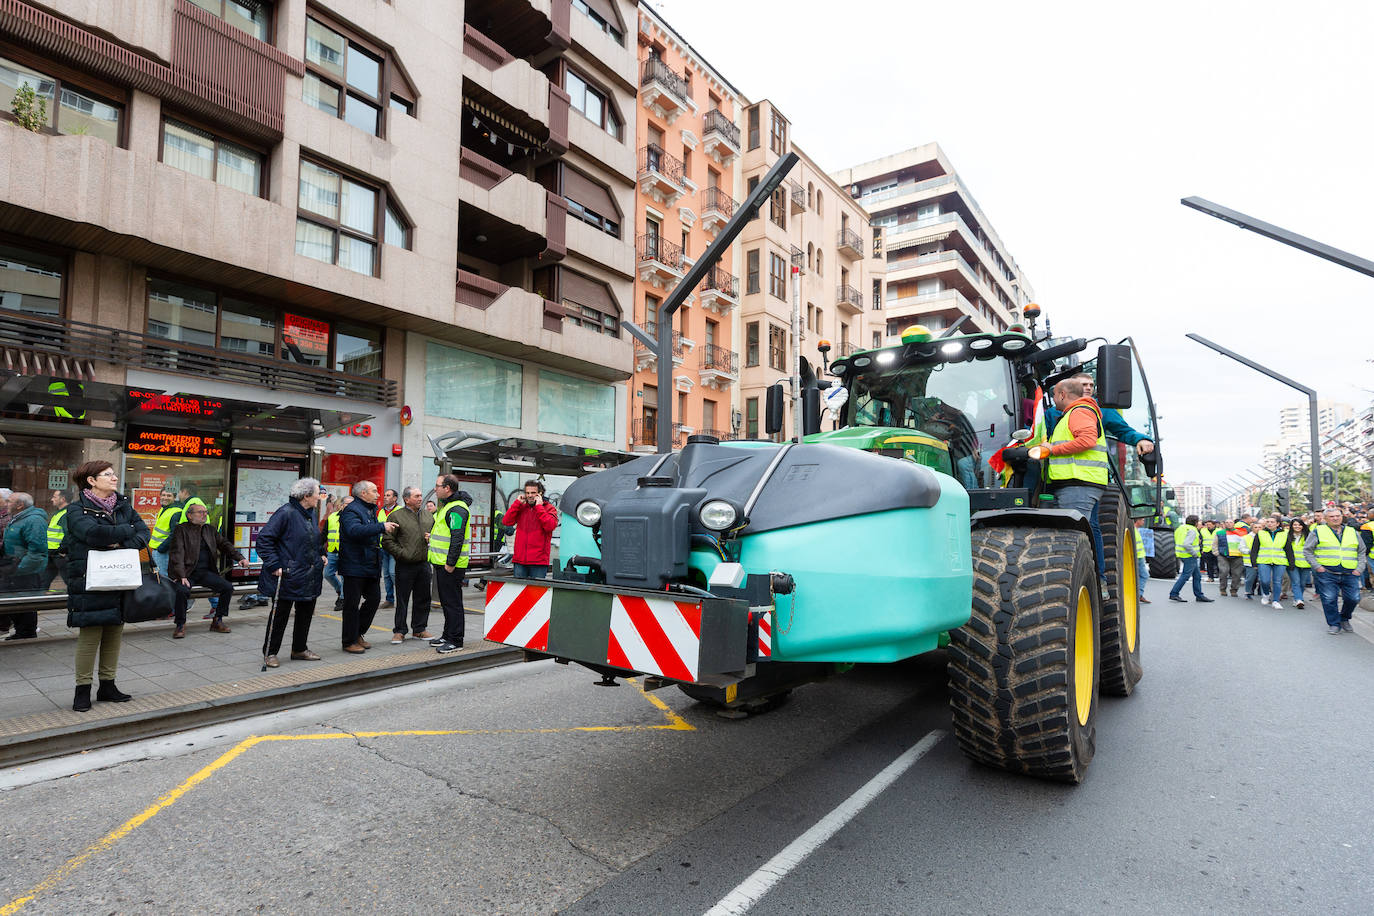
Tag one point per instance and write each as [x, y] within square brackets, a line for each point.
[1300, 577]
[160, 560]
[1142, 574]
[331, 573]
[1085, 500]
[1252, 581]
[1273, 574]
[1189, 571]
[389, 575]
[1331, 586]
[527, 571]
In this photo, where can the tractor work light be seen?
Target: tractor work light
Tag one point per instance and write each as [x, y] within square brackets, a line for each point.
[588, 513]
[717, 514]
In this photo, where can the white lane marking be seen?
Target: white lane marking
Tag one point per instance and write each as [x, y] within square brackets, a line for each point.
[749, 891]
[230, 733]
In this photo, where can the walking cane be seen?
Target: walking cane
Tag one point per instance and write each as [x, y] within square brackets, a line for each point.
[271, 619]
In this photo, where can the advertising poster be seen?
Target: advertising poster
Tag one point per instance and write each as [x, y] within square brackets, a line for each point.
[262, 485]
[147, 502]
[153, 481]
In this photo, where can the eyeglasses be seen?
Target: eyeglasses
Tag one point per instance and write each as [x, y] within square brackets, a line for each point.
[108, 472]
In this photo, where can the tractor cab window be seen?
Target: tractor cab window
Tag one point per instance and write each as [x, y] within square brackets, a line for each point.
[964, 405]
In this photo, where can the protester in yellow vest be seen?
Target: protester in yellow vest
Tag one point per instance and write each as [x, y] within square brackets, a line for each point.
[1075, 458]
[1299, 570]
[1208, 561]
[57, 532]
[1271, 558]
[1337, 555]
[449, 548]
[387, 507]
[1188, 547]
[331, 549]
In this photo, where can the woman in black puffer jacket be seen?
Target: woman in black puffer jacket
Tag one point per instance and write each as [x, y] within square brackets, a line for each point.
[100, 519]
[292, 556]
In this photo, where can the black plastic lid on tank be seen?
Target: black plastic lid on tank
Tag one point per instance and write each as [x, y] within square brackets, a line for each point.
[702, 439]
[655, 482]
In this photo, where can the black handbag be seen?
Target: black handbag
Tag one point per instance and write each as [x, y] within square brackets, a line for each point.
[153, 600]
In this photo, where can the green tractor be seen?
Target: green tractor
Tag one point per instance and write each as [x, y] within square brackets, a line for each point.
[739, 570]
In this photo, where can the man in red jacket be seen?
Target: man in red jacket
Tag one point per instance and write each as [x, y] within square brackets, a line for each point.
[534, 518]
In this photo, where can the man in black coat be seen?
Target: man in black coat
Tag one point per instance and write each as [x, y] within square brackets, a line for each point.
[194, 560]
[360, 564]
[292, 554]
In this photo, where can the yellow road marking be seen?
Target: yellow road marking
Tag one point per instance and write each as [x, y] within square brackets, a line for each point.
[107, 842]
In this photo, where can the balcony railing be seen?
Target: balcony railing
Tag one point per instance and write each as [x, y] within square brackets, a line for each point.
[655, 70]
[657, 248]
[848, 295]
[798, 195]
[846, 348]
[644, 431]
[723, 282]
[717, 199]
[719, 359]
[718, 122]
[798, 257]
[34, 340]
[851, 241]
[721, 434]
[653, 158]
[679, 348]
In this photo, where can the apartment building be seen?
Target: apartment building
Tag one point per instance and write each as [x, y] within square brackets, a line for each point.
[688, 170]
[247, 240]
[812, 227]
[944, 258]
[1194, 498]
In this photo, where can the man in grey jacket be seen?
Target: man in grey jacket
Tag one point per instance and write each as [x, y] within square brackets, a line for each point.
[409, 545]
[1337, 555]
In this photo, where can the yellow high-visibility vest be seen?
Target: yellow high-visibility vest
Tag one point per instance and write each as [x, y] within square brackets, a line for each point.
[1088, 467]
[440, 537]
[57, 528]
[1333, 553]
[1271, 547]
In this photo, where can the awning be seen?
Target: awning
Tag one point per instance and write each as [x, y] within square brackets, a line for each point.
[481, 451]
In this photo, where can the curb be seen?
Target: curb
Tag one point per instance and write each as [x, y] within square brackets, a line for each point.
[190, 712]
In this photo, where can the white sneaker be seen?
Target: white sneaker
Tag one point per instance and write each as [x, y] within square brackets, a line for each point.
[1277, 606]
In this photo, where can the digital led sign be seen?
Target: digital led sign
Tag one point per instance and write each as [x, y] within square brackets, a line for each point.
[155, 403]
[173, 443]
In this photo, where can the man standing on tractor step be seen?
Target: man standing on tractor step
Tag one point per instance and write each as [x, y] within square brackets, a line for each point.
[1188, 548]
[1075, 459]
[1336, 553]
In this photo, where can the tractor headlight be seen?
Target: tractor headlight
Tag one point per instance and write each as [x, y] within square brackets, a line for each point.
[718, 515]
[588, 513]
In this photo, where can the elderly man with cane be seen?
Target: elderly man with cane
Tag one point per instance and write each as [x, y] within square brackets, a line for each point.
[292, 555]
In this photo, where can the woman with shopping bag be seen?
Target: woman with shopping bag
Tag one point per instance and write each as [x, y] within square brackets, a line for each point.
[102, 528]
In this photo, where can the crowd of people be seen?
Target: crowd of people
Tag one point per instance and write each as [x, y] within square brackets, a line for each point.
[414, 548]
[1276, 559]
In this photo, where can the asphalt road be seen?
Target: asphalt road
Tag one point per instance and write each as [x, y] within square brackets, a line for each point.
[1233, 781]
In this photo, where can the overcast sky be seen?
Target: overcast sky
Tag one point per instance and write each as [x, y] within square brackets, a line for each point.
[1079, 126]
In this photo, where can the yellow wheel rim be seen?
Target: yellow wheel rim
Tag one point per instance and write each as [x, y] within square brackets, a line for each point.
[1083, 662]
[1130, 589]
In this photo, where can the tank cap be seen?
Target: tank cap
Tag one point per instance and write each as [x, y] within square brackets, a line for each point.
[702, 439]
[654, 482]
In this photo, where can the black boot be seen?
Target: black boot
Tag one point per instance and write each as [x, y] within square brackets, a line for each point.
[108, 691]
[82, 702]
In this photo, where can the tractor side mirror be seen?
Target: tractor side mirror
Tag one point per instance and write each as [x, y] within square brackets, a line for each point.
[811, 410]
[772, 409]
[1170, 495]
[1114, 375]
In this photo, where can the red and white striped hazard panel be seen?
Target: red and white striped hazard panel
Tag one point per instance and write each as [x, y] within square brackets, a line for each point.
[656, 636]
[765, 636]
[518, 615]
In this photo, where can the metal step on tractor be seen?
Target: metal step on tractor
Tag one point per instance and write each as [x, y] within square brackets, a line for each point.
[739, 570]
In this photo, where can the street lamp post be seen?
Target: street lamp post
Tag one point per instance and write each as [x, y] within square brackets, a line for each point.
[1311, 408]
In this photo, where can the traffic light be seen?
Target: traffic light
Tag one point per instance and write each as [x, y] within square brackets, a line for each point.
[1281, 500]
[1328, 479]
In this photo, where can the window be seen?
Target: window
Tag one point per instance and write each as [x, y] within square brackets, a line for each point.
[877, 339]
[751, 272]
[685, 236]
[651, 304]
[397, 230]
[712, 178]
[588, 303]
[753, 183]
[712, 329]
[358, 349]
[70, 109]
[574, 407]
[345, 220]
[777, 276]
[820, 205]
[584, 316]
[820, 263]
[810, 317]
[751, 418]
[777, 134]
[810, 255]
[251, 16]
[708, 416]
[607, 225]
[754, 127]
[463, 385]
[593, 103]
[602, 16]
[181, 312]
[686, 162]
[346, 78]
[877, 294]
[202, 153]
[31, 282]
[777, 207]
[777, 348]
[820, 321]
[751, 344]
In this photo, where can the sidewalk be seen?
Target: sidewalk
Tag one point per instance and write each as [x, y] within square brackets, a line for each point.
[37, 677]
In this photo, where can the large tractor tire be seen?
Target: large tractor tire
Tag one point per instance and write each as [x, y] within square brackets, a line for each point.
[1121, 667]
[1023, 672]
[1164, 564]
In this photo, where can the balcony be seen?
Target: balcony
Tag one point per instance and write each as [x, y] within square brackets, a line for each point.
[719, 367]
[798, 257]
[720, 140]
[660, 261]
[845, 348]
[797, 195]
[513, 89]
[507, 216]
[661, 175]
[850, 244]
[716, 209]
[847, 297]
[719, 292]
[30, 344]
[644, 432]
[721, 434]
[663, 90]
[647, 360]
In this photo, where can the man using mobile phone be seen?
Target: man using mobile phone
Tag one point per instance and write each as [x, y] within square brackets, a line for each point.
[534, 518]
